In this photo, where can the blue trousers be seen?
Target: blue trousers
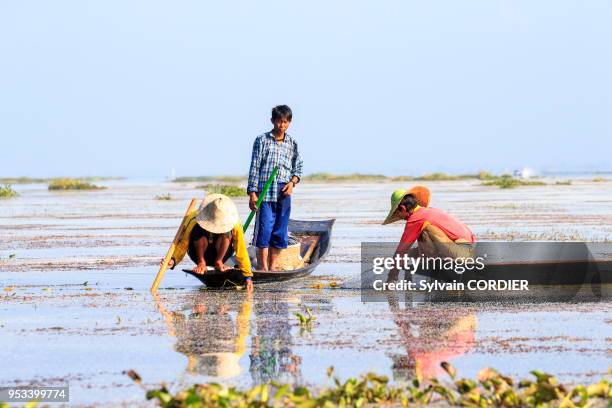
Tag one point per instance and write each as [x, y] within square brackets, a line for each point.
[272, 225]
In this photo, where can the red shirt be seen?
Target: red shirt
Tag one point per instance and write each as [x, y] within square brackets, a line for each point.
[421, 216]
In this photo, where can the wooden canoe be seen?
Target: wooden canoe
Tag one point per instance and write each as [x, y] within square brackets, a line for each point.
[306, 232]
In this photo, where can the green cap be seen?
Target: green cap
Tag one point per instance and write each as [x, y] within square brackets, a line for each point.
[396, 199]
[420, 193]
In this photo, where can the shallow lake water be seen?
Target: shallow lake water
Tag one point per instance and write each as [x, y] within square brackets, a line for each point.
[75, 306]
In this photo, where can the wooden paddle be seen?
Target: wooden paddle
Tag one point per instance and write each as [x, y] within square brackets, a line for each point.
[309, 252]
[177, 239]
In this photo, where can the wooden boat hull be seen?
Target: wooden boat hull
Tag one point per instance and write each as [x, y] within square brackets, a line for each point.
[298, 228]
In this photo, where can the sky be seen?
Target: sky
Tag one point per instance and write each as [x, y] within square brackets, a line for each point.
[138, 88]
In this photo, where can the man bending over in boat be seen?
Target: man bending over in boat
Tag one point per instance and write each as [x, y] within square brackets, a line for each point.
[212, 235]
[437, 233]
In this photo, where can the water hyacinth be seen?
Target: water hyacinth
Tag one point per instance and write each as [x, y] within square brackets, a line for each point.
[72, 184]
[490, 388]
[6, 191]
[305, 320]
[511, 182]
[225, 189]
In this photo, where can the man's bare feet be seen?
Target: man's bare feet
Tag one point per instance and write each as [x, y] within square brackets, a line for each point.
[200, 268]
[273, 261]
[262, 259]
[221, 267]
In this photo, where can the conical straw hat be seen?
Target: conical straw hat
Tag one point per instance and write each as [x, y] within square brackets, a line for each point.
[218, 214]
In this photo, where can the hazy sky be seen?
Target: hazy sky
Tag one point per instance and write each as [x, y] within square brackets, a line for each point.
[137, 88]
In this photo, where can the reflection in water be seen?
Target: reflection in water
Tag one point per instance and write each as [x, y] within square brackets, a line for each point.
[271, 355]
[214, 341]
[430, 337]
[207, 335]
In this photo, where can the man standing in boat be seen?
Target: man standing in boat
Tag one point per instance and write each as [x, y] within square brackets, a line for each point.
[437, 233]
[212, 235]
[273, 149]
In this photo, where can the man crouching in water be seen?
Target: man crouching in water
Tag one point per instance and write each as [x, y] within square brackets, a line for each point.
[437, 233]
[212, 235]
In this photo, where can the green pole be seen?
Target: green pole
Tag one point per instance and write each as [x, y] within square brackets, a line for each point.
[260, 199]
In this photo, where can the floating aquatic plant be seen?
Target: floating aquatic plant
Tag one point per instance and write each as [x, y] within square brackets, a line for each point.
[484, 175]
[437, 177]
[305, 320]
[508, 181]
[163, 197]
[6, 191]
[22, 180]
[490, 388]
[72, 184]
[225, 189]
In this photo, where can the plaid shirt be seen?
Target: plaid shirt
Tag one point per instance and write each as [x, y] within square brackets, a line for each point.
[268, 154]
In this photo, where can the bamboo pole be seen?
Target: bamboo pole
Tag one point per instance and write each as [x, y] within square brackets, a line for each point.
[177, 238]
[262, 194]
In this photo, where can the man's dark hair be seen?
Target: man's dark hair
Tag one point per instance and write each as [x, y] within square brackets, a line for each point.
[409, 202]
[282, 112]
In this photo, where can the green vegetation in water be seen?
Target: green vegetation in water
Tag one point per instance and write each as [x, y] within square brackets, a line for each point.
[201, 179]
[72, 184]
[305, 319]
[438, 176]
[490, 388]
[508, 181]
[226, 189]
[563, 183]
[31, 180]
[599, 180]
[6, 191]
[484, 175]
[22, 180]
[163, 197]
[31, 404]
[329, 177]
